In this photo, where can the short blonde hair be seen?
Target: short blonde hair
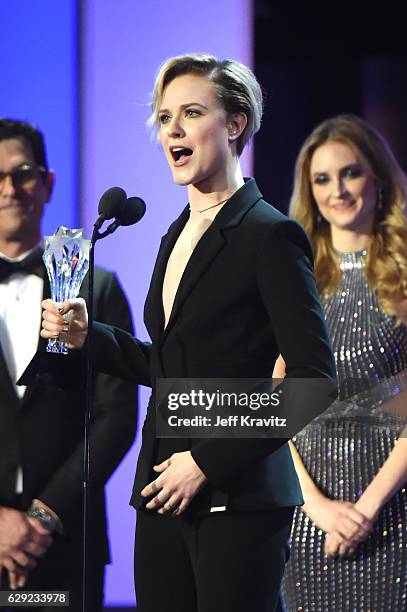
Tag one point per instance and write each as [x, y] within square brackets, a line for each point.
[386, 269]
[237, 88]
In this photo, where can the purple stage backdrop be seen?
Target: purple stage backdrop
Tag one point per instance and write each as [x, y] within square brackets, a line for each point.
[38, 51]
[85, 80]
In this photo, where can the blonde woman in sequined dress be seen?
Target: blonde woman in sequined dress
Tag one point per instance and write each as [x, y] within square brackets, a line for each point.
[349, 540]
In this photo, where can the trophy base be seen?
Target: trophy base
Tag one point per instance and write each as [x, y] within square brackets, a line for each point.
[57, 347]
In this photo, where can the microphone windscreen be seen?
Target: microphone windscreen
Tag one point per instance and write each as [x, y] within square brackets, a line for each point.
[112, 202]
[133, 211]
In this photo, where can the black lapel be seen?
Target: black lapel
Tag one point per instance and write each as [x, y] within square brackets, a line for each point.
[7, 389]
[212, 242]
[205, 251]
[42, 342]
[153, 309]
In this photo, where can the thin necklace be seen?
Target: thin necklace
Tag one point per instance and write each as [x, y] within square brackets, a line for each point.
[209, 207]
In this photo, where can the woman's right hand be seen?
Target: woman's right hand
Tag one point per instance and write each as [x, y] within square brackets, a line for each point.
[328, 514]
[67, 321]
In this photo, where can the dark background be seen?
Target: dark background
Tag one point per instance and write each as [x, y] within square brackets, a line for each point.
[318, 60]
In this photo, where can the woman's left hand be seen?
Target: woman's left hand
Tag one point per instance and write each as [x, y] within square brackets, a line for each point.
[179, 481]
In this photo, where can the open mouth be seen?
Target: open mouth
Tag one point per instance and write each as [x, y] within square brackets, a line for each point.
[180, 153]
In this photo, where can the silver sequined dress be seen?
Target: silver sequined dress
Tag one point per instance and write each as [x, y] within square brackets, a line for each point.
[343, 450]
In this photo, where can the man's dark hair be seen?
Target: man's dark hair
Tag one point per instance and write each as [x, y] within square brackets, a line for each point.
[14, 128]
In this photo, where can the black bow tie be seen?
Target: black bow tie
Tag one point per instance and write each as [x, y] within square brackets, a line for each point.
[32, 264]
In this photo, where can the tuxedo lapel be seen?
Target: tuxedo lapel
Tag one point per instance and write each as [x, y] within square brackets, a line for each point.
[212, 242]
[204, 253]
[153, 309]
[42, 342]
[7, 388]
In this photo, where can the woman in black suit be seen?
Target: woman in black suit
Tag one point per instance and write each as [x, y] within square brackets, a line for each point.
[231, 289]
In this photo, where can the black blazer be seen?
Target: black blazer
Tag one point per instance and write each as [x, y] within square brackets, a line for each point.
[247, 294]
[43, 432]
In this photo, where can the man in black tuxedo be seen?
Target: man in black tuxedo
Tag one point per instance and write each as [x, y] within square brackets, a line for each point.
[41, 429]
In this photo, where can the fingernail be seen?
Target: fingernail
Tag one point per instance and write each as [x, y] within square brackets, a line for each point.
[61, 309]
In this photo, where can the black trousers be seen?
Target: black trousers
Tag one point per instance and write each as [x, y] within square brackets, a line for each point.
[226, 562]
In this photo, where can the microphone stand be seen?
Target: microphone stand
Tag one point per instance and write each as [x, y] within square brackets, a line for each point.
[96, 235]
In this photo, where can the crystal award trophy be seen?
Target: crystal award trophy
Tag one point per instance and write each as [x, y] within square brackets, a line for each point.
[66, 258]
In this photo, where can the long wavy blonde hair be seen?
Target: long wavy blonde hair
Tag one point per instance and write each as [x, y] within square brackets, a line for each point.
[386, 265]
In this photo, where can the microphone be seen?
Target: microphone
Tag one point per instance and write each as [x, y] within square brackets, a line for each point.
[111, 204]
[133, 210]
